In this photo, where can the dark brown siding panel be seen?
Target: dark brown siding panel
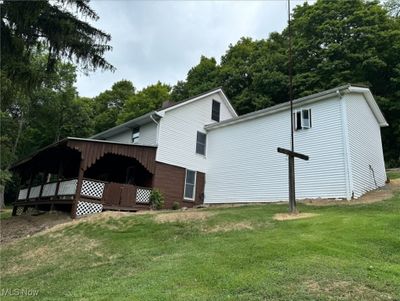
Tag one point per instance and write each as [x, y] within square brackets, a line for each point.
[170, 180]
[93, 150]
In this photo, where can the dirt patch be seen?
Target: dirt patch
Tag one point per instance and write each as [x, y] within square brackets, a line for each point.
[17, 227]
[374, 196]
[182, 216]
[55, 251]
[345, 290]
[292, 216]
[229, 227]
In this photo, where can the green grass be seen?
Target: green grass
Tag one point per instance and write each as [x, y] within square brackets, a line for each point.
[6, 212]
[393, 174]
[344, 253]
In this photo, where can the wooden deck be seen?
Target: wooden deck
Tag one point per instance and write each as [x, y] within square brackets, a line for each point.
[93, 196]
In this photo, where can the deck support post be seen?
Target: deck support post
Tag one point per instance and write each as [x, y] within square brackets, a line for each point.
[14, 211]
[29, 186]
[78, 189]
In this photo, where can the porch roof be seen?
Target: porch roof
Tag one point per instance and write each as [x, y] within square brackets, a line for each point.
[91, 150]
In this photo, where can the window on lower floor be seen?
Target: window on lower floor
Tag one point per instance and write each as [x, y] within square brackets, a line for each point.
[190, 184]
[135, 135]
[302, 119]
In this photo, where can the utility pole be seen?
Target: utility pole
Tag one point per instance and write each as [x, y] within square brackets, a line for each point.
[291, 153]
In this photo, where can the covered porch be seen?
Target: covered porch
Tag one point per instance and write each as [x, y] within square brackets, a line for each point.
[84, 176]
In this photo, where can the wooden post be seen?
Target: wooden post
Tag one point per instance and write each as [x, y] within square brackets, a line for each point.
[78, 189]
[292, 192]
[44, 181]
[29, 186]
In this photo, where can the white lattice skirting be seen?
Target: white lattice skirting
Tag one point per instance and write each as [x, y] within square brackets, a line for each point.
[85, 208]
[92, 189]
[143, 196]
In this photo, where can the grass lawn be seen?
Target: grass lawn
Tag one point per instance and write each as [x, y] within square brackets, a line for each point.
[237, 253]
[393, 174]
[6, 212]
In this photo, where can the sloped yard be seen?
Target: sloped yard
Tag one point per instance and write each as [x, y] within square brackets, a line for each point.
[239, 253]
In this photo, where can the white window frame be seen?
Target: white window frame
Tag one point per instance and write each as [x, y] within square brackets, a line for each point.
[194, 186]
[135, 139]
[304, 126]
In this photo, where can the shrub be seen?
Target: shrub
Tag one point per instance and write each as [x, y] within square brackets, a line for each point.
[175, 205]
[156, 199]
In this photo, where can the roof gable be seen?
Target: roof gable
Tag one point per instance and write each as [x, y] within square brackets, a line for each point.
[199, 97]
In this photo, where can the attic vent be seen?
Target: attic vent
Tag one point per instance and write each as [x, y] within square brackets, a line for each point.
[167, 104]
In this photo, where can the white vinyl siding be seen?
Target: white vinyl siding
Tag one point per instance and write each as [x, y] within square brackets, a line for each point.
[366, 154]
[250, 169]
[147, 135]
[178, 132]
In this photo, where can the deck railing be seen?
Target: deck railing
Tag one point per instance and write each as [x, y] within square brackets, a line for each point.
[66, 188]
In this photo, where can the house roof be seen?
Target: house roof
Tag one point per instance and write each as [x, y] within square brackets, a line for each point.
[131, 124]
[338, 91]
[200, 96]
[157, 114]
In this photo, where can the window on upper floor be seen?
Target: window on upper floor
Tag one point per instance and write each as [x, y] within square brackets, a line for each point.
[190, 184]
[216, 108]
[302, 119]
[135, 135]
[201, 143]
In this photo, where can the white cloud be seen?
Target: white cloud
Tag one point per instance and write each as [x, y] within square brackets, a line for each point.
[162, 40]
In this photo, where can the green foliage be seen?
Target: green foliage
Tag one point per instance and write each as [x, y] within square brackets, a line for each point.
[156, 199]
[200, 78]
[62, 27]
[347, 252]
[393, 174]
[176, 205]
[146, 100]
[108, 104]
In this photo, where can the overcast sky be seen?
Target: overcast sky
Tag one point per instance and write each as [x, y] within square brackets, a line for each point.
[162, 40]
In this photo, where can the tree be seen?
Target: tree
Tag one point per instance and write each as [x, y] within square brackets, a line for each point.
[200, 78]
[108, 104]
[54, 26]
[146, 100]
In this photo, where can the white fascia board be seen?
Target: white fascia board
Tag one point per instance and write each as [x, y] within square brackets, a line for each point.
[183, 103]
[372, 104]
[141, 120]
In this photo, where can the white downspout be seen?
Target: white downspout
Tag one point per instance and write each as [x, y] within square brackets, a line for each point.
[347, 159]
[158, 127]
